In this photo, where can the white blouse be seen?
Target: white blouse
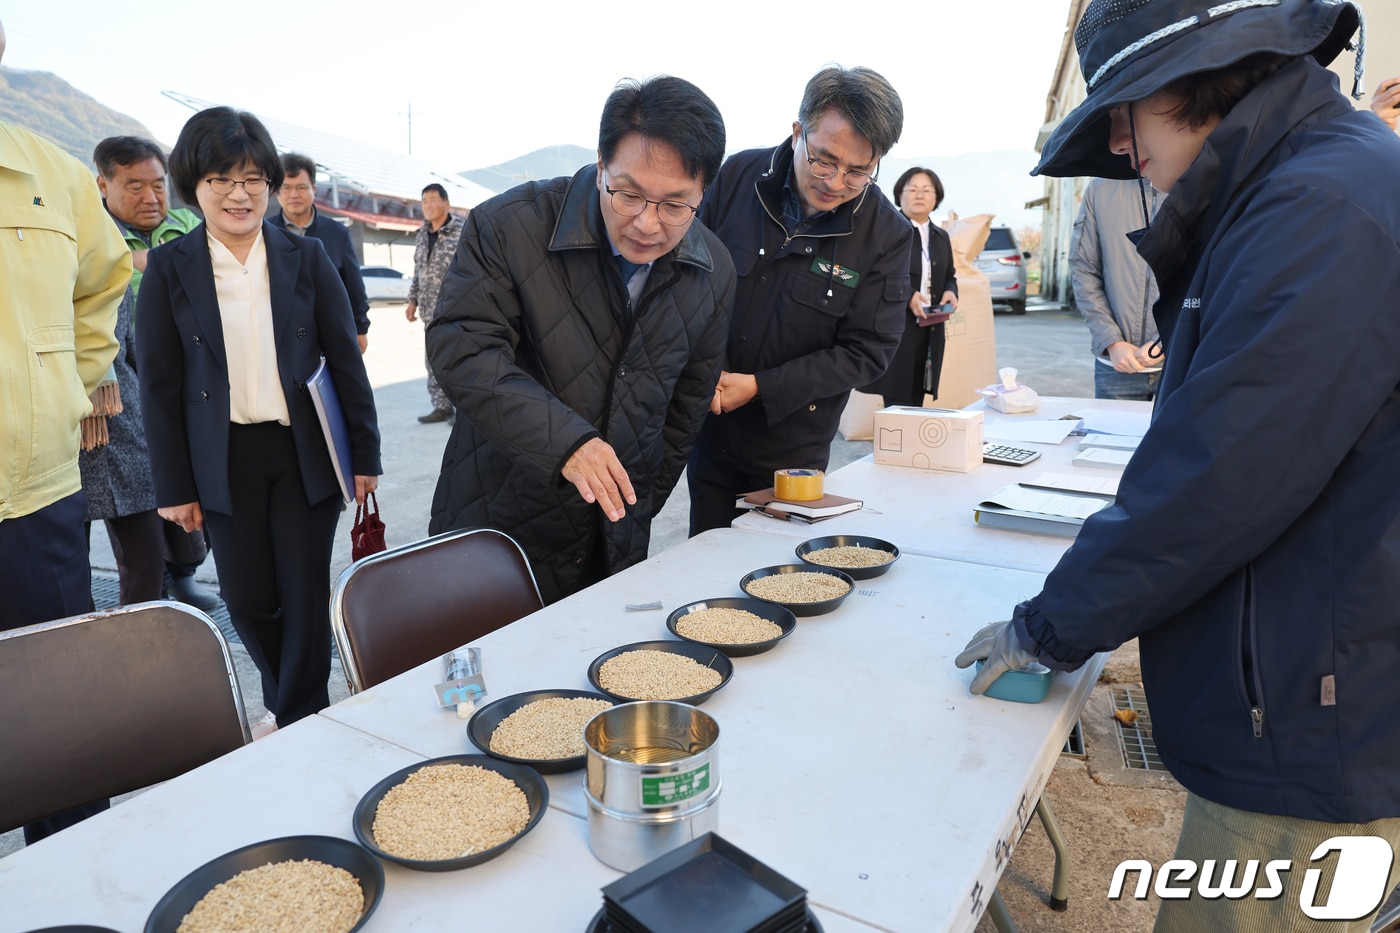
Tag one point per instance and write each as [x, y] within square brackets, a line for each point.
[245, 309]
[926, 285]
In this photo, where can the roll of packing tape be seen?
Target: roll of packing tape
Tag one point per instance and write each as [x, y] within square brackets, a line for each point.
[797, 485]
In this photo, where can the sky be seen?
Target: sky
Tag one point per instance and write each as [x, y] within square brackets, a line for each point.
[488, 82]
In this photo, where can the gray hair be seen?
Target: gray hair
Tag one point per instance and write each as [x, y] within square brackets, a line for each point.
[862, 96]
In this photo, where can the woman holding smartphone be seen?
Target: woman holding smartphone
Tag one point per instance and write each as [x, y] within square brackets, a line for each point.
[234, 318]
[919, 360]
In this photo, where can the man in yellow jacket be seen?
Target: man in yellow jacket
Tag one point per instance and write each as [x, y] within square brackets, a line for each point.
[63, 270]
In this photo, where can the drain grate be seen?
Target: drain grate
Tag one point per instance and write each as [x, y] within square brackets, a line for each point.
[1139, 751]
[106, 594]
[1074, 745]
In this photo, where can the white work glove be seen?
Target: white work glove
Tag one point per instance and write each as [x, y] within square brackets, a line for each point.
[1000, 649]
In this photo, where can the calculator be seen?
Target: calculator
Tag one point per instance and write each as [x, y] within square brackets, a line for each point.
[1011, 456]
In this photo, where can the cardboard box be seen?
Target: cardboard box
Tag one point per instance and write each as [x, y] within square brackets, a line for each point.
[929, 439]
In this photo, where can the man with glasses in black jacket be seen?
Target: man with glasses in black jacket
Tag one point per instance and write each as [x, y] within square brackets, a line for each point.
[823, 262]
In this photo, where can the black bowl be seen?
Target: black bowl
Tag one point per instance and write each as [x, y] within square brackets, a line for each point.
[855, 573]
[702, 654]
[784, 619]
[820, 607]
[342, 853]
[79, 928]
[527, 779]
[485, 720]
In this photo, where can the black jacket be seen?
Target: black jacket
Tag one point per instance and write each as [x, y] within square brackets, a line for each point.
[336, 239]
[903, 383]
[533, 344]
[806, 329]
[183, 367]
[1255, 543]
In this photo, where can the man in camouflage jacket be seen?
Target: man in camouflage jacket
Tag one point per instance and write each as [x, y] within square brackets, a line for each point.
[432, 255]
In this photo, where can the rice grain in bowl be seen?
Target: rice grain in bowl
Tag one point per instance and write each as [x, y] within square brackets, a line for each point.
[295, 896]
[718, 633]
[860, 556]
[482, 728]
[805, 590]
[268, 870]
[462, 811]
[683, 671]
[546, 729]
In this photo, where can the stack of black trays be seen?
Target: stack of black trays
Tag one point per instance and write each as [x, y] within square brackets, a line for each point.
[705, 886]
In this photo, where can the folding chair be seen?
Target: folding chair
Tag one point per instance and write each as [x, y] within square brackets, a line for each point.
[394, 610]
[99, 705]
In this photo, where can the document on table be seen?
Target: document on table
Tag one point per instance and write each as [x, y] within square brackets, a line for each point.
[1098, 484]
[1023, 499]
[1117, 422]
[1028, 432]
[1103, 458]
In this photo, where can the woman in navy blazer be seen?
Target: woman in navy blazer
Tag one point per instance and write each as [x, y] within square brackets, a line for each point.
[918, 192]
[232, 320]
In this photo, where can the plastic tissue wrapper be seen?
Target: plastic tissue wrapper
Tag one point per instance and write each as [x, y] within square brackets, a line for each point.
[1009, 395]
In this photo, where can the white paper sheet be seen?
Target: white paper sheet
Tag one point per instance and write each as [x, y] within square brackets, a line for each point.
[1022, 499]
[1104, 484]
[1103, 458]
[1028, 432]
[1117, 422]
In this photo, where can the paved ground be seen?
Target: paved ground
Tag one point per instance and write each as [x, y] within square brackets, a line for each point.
[1107, 812]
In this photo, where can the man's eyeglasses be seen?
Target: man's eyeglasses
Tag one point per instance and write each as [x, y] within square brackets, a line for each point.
[820, 168]
[222, 185]
[630, 204]
[295, 189]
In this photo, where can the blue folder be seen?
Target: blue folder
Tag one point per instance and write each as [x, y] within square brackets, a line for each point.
[332, 417]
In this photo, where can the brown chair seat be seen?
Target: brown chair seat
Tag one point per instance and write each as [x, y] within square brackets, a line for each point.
[100, 705]
[394, 610]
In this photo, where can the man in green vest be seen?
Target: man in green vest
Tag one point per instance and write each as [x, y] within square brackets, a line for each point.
[131, 177]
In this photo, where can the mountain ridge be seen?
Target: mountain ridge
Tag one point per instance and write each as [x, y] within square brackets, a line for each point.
[46, 105]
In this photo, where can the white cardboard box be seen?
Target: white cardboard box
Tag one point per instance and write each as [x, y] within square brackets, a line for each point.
[929, 439]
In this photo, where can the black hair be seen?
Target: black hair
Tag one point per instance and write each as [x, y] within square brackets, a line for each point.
[439, 190]
[668, 110]
[919, 170]
[294, 163]
[1209, 95]
[863, 97]
[217, 140]
[116, 151]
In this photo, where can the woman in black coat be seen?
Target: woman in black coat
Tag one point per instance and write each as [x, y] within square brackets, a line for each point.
[919, 360]
[233, 319]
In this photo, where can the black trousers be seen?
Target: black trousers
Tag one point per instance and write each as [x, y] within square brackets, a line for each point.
[273, 555]
[44, 560]
[920, 355]
[138, 543]
[714, 485]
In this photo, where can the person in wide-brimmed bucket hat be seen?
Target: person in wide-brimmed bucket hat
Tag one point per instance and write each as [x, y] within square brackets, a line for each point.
[1254, 545]
[1130, 49]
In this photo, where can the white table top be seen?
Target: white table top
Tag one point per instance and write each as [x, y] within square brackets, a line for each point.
[929, 512]
[852, 757]
[879, 784]
[306, 779]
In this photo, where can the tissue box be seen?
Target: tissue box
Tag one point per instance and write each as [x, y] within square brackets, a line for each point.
[1011, 401]
[929, 439]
